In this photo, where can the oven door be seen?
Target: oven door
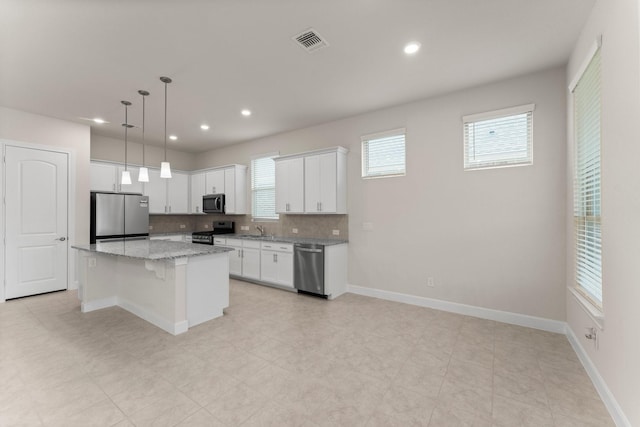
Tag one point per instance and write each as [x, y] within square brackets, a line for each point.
[213, 203]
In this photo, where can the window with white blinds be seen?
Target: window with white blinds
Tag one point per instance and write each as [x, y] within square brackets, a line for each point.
[586, 196]
[499, 138]
[263, 187]
[383, 154]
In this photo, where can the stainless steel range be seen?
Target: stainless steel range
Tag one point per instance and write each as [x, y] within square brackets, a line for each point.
[219, 227]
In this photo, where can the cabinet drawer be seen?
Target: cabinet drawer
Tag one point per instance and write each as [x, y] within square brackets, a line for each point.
[219, 241]
[234, 242]
[280, 247]
[250, 244]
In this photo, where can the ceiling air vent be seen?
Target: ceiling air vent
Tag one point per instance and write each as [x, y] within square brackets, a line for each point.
[310, 40]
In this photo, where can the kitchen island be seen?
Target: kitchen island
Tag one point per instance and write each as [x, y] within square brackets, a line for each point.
[172, 285]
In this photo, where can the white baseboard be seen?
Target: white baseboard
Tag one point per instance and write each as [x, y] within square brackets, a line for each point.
[605, 394]
[168, 326]
[98, 304]
[464, 309]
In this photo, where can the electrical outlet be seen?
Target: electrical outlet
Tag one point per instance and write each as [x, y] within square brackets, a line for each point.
[430, 282]
[206, 226]
[244, 227]
[335, 232]
[294, 230]
[151, 227]
[367, 226]
[183, 226]
[92, 262]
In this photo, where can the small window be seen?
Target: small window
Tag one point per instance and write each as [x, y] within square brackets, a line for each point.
[499, 138]
[383, 154]
[263, 187]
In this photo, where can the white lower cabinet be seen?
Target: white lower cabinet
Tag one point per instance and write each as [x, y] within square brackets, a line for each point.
[251, 260]
[244, 261]
[276, 264]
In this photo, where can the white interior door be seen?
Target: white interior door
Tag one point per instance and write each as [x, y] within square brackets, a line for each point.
[36, 247]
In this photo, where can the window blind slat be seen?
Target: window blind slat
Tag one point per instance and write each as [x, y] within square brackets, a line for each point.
[587, 106]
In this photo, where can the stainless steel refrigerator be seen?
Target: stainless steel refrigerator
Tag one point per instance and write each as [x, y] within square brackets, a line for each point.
[118, 216]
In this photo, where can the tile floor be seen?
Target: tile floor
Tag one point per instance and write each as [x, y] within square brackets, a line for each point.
[281, 359]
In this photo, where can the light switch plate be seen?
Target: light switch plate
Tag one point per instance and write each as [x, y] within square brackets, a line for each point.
[183, 226]
[244, 227]
[336, 232]
[294, 230]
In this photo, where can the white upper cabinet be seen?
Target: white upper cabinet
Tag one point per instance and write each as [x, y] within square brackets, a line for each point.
[290, 185]
[317, 181]
[107, 176]
[198, 189]
[102, 176]
[167, 195]
[215, 181]
[235, 189]
[178, 193]
[156, 189]
[135, 186]
[320, 183]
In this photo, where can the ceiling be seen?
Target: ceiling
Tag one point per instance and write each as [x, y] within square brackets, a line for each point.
[77, 59]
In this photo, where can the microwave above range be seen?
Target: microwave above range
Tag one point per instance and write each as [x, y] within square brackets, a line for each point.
[213, 203]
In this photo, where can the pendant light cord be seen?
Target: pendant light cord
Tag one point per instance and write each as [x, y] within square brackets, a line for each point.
[165, 121]
[143, 103]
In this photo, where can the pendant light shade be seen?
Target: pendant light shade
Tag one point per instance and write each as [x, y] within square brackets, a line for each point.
[165, 167]
[165, 170]
[126, 176]
[143, 173]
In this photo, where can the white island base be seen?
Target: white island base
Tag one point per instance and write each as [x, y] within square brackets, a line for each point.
[173, 294]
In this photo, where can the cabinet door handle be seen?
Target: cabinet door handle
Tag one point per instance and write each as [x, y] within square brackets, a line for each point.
[320, 206]
[276, 257]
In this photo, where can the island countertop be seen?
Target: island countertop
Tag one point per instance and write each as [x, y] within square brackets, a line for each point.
[151, 249]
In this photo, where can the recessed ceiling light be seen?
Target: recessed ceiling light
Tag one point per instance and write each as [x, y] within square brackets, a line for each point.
[412, 48]
[173, 137]
[99, 120]
[245, 112]
[204, 127]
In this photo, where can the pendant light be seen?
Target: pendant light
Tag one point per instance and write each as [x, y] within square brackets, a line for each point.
[126, 176]
[143, 173]
[165, 167]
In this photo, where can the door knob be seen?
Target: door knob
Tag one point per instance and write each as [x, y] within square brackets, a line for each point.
[62, 239]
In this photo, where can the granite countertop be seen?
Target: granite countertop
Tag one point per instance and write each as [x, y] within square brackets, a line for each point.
[151, 249]
[308, 240]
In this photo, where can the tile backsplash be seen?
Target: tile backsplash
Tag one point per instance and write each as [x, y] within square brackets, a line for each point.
[317, 226]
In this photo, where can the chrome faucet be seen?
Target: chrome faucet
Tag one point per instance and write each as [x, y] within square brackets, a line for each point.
[260, 228]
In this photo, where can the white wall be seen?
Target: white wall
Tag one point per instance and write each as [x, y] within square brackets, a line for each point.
[111, 149]
[19, 126]
[492, 238]
[618, 354]
[35, 129]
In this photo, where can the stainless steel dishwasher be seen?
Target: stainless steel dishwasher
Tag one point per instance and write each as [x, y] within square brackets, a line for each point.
[308, 268]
